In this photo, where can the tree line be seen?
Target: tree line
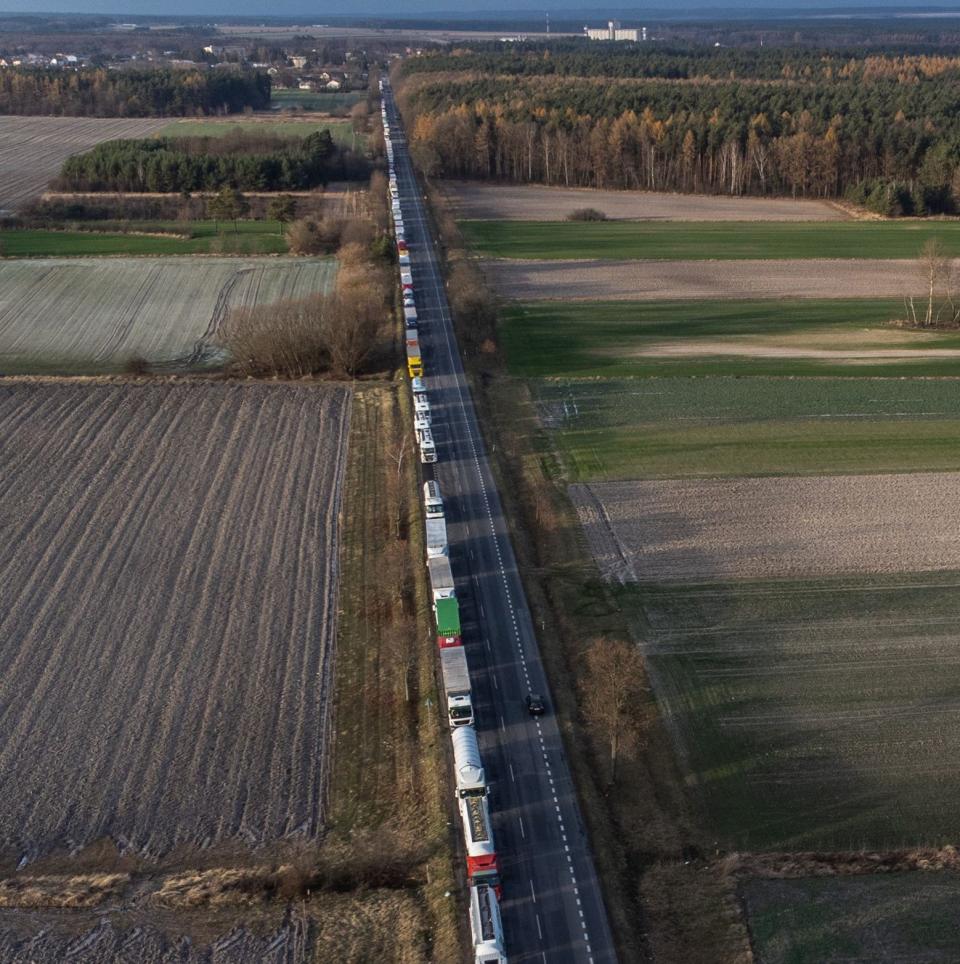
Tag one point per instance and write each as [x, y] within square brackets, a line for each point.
[131, 93]
[167, 165]
[890, 144]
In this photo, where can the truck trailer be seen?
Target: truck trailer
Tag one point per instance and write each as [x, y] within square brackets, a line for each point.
[486, 926]
[471, 779]
[436, 537]
[447, 614]
[441, 578]
[456, 686]
[482, 864]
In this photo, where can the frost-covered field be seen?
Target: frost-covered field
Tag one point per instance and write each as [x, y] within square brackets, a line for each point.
[32, 149]
[96, 314]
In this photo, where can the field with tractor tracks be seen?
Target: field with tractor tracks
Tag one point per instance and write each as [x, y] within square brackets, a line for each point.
[96, 315]
[168, 601]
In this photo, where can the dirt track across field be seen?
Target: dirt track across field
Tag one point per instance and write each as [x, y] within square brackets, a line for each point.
[32, 149]
[472, 200]
[168, 580]
[704, 530]
[657, 280]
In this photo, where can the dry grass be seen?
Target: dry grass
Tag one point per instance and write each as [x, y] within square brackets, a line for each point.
[655, 280]
[64, 892]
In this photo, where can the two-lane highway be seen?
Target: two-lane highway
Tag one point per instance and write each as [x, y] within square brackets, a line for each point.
[552, 906]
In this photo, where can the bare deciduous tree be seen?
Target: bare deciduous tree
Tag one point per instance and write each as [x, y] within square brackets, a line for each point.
[614, 700]
[936, 269]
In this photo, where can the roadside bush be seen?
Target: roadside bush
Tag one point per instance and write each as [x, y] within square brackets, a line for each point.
[586, 214]
[307, 236]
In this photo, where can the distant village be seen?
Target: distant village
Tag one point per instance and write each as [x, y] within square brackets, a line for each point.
[290, 70]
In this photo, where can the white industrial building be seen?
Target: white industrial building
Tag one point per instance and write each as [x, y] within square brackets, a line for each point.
[613, 31]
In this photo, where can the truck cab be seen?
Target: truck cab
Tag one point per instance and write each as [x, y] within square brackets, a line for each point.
[432, 500]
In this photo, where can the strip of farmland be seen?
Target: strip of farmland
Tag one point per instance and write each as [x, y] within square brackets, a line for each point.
[566, 280]
[704, 530]
[32, 149]
[168, 580]
[95, 315]
[475, 200]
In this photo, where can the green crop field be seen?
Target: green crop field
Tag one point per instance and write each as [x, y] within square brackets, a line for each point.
[888, 919]
[697, 241]
[207, 237]
[340, 130]
[608, 338]
[689, 427]
[812, 715]
[317, 100]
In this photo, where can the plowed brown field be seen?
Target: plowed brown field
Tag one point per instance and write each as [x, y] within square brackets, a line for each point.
[532, 202]
[705, 530]
[167, 608]
[32, 149]
[655, 280]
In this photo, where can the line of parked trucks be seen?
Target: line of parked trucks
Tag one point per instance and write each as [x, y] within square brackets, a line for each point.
[483, 871]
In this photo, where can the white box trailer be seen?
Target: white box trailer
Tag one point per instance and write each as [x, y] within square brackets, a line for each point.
[486, 927]
[441, 578]
[436, 537]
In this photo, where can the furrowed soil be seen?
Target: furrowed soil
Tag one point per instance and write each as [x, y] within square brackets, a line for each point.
[703, 530]
[168, 601]
[585, 280]
[474, 200]
[89, 316]
[377, 885]
[32, 149]
[885, 919]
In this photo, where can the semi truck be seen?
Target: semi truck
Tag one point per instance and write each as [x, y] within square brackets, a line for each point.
[482, 864]
[441, 578]
[456, 686]
[486, 926]
[414, 361]
[471, 779]
[447, 613]
[410, 316]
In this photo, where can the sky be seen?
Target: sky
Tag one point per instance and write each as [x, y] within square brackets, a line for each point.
[314, 12]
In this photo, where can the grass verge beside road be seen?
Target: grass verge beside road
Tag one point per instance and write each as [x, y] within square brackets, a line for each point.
[705, 240]
[389, 777]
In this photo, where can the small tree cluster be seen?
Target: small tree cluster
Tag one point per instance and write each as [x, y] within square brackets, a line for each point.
[586, 214]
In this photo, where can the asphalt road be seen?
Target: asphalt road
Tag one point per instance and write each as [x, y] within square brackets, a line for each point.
[552, 907]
